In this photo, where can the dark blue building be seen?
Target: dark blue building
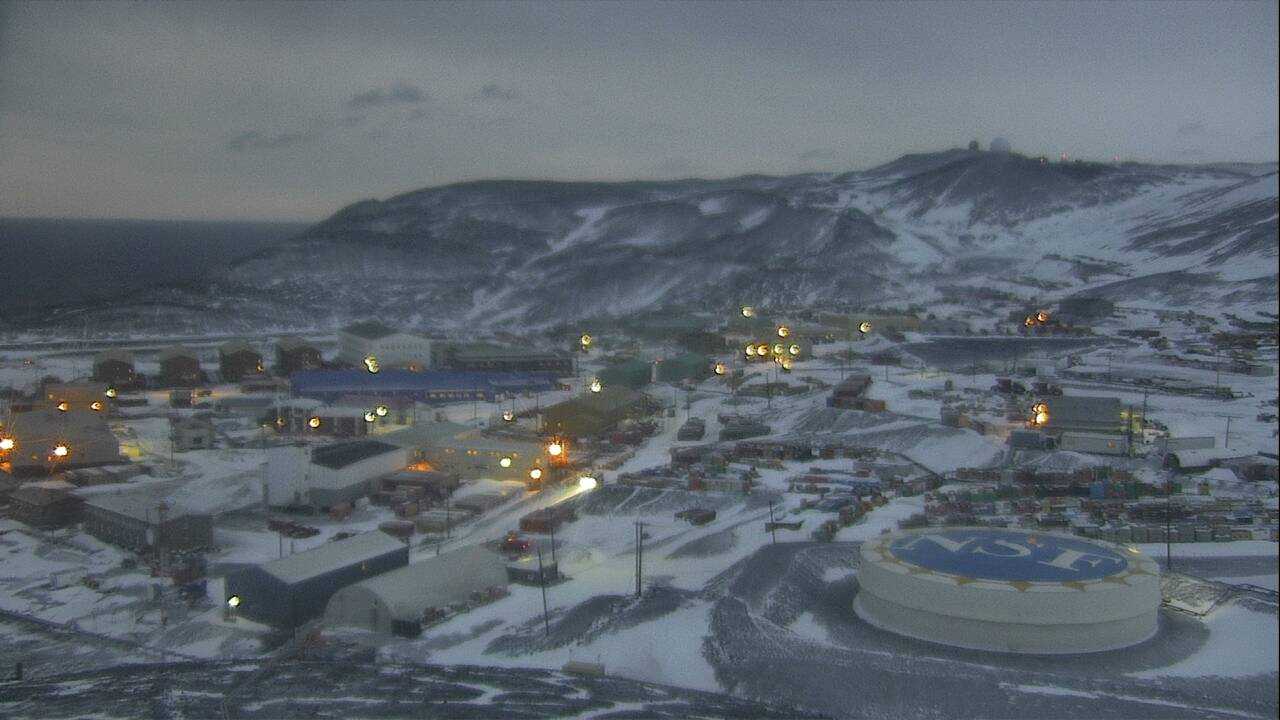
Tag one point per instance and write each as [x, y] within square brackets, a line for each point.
[433, 386]
[290, 591]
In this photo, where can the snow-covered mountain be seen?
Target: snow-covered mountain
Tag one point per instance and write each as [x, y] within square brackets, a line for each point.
[914, 231]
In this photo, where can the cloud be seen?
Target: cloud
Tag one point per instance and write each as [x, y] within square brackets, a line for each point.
[255, 140]
[494, 91]
[818, 155]
[1191, 130]
[402, 93]
[352, 120]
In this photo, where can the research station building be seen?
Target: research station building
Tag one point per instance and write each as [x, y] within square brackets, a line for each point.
[293, 590]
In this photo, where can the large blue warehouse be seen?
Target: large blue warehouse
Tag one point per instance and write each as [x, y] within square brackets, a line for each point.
[434, 386]
[292, 590]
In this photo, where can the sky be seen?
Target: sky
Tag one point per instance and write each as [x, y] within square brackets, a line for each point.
[279, 111]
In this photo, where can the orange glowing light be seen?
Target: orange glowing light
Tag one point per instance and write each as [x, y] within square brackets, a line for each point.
[63, 406]
[314, 422]
[61, 450]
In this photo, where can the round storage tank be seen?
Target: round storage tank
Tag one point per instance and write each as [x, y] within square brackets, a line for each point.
[1008, 590]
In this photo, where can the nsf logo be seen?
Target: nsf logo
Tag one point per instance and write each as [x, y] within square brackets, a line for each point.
[995, 554]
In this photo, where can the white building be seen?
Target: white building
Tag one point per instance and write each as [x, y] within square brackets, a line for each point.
[399, 601]
[391, 347]
[298, 475]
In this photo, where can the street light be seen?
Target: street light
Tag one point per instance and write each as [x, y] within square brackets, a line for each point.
[96, 405]
[505, 461]
[314, 422]
[112, 392]
[783, 331]
[233, 602]
[751, 350]
[794, 349]
[555, 449]
[596, 385]
[382, 410]
[508, 415]
[586, 482]
[535, 474]
[61, 450]
[371, 364]
[719, 369]
[585, 341]
[63, 406]
[864, 327]
[6, 444]
[748, 311]
[370, 417]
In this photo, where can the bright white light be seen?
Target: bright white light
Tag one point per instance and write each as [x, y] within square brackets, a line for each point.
[233, 601]
[6, 443]
[505, 462]
[587, 483]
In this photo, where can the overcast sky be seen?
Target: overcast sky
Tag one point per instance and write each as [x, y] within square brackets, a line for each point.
[283, 111]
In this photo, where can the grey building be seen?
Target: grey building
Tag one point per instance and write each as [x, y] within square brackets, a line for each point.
[291, 591]
[401, 601]
[1081, 414]
[142, 520]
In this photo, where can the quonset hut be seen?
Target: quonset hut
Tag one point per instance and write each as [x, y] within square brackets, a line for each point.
[1008, 590]
[399, 602]
[292, 590]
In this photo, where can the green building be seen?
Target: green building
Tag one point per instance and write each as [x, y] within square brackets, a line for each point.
[633, 374]
[689, 366]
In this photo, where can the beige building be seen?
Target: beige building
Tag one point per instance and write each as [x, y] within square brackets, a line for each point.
[391, 347]
[38, 434]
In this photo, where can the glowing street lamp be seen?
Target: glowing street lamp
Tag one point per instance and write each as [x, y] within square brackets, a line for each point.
[1042, 317]
[719, 369]
[63, 406]
[535, 474]
[314, 422]
[505, 461]
[1029, 320]
[371, 364]
[785, 363]
[586, 482]
[508, 415]
[794, 350]
[233, 602]
[96, 405]
[370, 416]
[596, 385]
[748, 311]
[61, 450]
[382, 410]
[112, 392]
[762, 350]
[784, 331]
[751, 350]
[864, 327]
[779, 348]
[1040, 414]
[585, 341]
[555, 449]
[6, 444]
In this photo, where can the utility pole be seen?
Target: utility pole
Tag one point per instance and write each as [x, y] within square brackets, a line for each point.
[1226, 440]
[553, 547]
[773, 527]
[639, 554]
[542, 580]
[1168, 539]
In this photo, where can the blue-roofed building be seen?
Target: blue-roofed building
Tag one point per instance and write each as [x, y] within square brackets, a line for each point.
[433, 386]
